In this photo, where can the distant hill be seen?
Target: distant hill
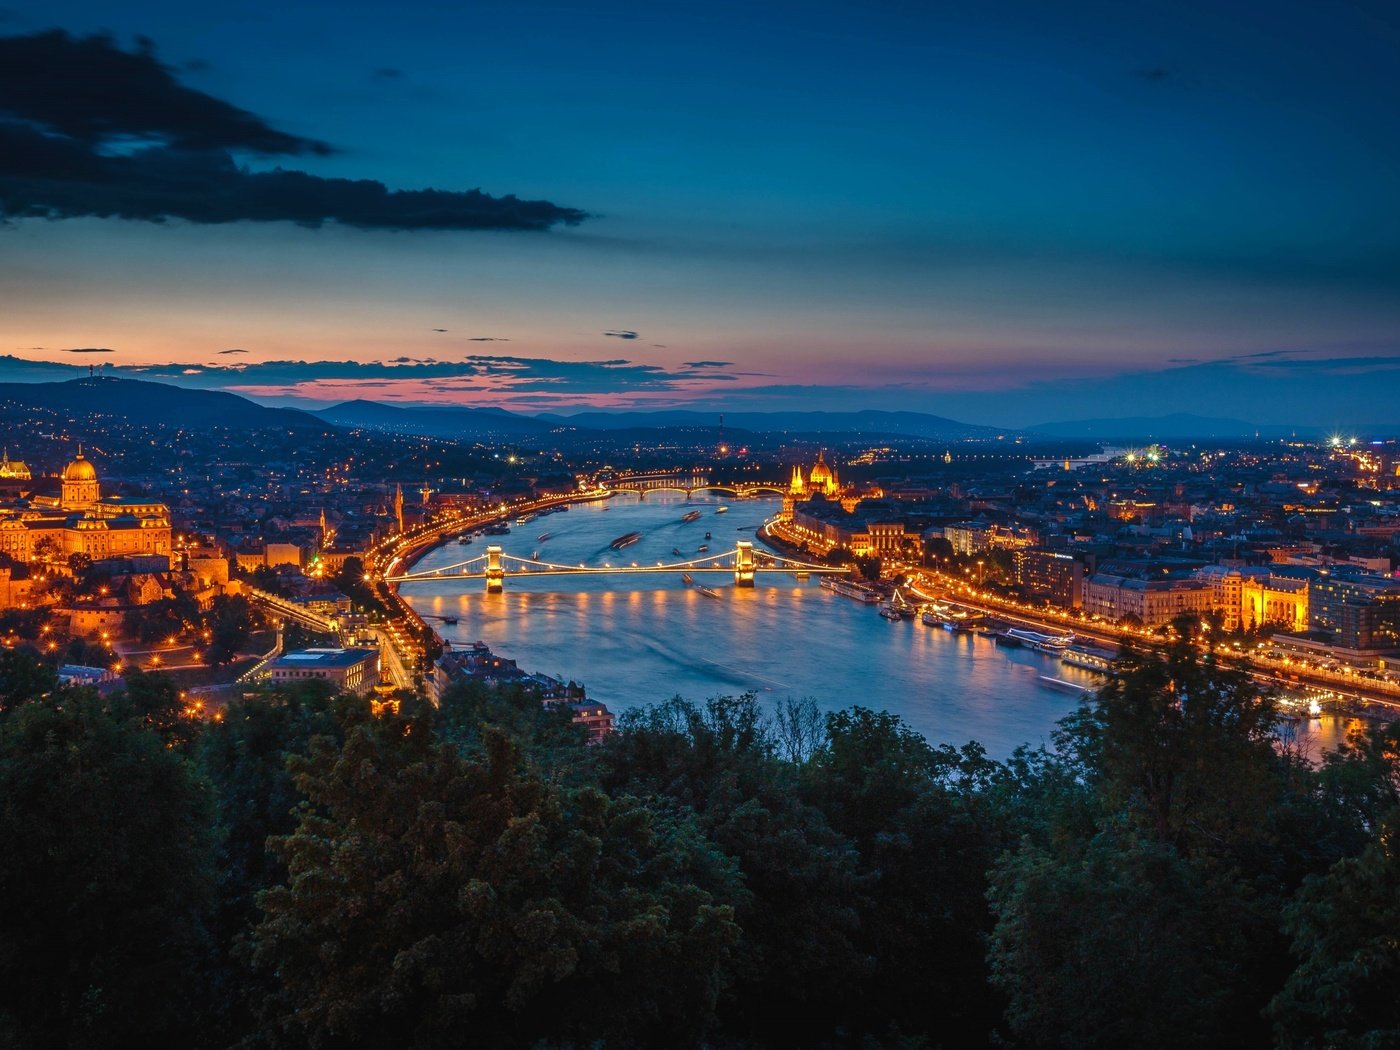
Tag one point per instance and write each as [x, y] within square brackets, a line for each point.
[160, 403]
[450, 423]
[1175, 427]
[870, 421]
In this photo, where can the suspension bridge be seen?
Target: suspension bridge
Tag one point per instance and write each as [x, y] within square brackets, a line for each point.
[743, 562]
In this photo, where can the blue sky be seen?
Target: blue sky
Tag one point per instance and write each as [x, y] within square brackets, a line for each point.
[1006, 213]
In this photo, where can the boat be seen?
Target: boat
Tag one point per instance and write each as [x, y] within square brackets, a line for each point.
[851, 589]
[801, 574]
[721, 510]
[544, 536]
[708, 592]
[534, 555]
[1090, 659]
[524, 519]
[897, 607]
[707, 535]
[702, 548]
[464, 540]
[452, 620]
[690, 515]
[935, 615]
[687, 579]
[1064, 687]
[1039, 640]
[625, 540]
[677, 552]
[499, 529]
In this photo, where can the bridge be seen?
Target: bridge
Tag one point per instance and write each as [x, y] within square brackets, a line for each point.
[282, 609]
[744, 562]
[689, 484]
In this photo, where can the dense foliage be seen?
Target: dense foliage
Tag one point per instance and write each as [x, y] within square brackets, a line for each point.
[302, 872]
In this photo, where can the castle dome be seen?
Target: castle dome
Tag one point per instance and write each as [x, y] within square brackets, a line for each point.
[79, 470]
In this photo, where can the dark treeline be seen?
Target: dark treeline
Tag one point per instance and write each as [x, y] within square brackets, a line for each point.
[305, 873]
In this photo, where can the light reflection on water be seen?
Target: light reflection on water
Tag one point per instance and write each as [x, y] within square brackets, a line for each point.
[639, 639]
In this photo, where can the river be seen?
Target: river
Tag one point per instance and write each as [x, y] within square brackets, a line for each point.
[640, 639]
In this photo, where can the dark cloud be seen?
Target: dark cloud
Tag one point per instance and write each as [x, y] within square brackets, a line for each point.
[708, 364]
[1153, 74]
[235, 350]
[90, 90]
[85, 350]
[487, 339]
[439, 329]
[87, 129]
[622, 334]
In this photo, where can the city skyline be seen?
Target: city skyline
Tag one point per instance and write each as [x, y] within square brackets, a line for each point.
[1007, 217]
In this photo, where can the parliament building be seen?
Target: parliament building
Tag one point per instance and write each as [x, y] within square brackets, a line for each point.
[78, 519]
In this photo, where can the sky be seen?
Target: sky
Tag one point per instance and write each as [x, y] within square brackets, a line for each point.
[1004, 212]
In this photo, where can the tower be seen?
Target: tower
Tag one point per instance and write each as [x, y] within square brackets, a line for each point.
[398, 505]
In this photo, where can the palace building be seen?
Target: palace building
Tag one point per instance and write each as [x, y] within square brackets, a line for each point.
[78, 519]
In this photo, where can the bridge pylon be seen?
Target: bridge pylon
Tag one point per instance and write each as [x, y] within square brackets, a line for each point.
[743, 564]
[495, 571]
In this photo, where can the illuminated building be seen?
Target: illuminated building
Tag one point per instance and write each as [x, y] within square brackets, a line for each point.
[345, 670]
[822, 481]
[14, 469]
[80, 520]
[1359, 612]
[1270, 599]
[1051, 574]
[1151, 602]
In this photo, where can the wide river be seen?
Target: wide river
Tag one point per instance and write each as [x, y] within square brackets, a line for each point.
[639, 639]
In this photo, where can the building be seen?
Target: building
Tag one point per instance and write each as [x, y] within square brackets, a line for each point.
[1054, 575]
[1151, 603]
[1269, 599]
[1359, 612]
[595, 718]
[1249, 598]
[968, 537]
[80, 520]
[13, 469]
[346, 670]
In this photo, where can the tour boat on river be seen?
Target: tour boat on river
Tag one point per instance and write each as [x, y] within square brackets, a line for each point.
[625, 540]
[691, 515]
[851, 589]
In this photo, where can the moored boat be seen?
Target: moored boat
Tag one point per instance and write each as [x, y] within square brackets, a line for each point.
[851, 589]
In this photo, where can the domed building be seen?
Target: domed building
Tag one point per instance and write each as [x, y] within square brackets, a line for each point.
[80, 520]
[821, 479]
[80, 489]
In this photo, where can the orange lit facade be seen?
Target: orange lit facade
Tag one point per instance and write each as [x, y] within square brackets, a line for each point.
[80, 520]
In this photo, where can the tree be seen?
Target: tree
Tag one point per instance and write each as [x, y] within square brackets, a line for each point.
[104, 877]
[1346, 935]
[431, 893]
[23, 676]
[1123, 945]
[1182, 744]
[231, 623]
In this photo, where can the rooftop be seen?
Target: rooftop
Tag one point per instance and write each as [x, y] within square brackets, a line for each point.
[310, 658]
